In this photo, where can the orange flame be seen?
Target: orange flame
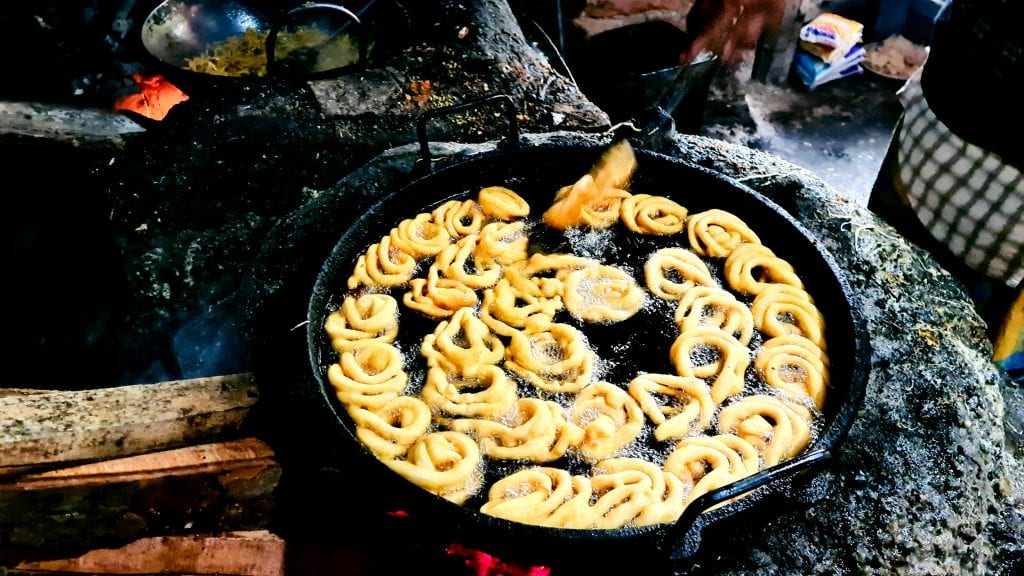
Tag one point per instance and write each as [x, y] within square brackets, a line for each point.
[155, 99]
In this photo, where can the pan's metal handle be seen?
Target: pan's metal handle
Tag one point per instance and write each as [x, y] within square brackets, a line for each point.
[273, 64]
[682, 539]
[508, 106]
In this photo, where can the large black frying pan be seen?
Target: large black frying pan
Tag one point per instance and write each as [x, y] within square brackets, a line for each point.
[536, 172]
[177, 31]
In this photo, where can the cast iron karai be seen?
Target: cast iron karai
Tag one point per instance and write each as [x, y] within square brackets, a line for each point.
[176, 31]
[536, 172]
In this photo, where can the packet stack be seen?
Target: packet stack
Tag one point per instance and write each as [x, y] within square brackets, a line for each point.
[830, 49]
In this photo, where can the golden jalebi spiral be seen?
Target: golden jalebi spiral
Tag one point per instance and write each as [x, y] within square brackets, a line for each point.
[782, 309]
[602, 294]
[668, 493]
[671, 272]
[506, 311]
[382, 266]
[602, 211]
[461, 343]
[717, 233]
[609, 416]
[715, 308]
[543, 275]
[444, 463]
[459, 218]
[621, 496]
[795, 365]
[707, 463]
[501, 203]
[654, 215]
[482, 391]
[457, 262]
[677, 405]
[551, 497]
[389, 430]
[779, 430]
[533, 495]
[368, 377]
[537, 430]
[420, 236]
[362, 319]
[750, 268]
[502, 243]
[555, 359]
[438, 297]
[712, 354]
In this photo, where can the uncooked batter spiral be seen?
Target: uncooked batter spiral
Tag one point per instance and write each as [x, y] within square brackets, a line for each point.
[368, 377]
[609, 416]
[438, 297]
[420, 236]
[619, 494]
[795, 365]
[779, 430]
[444, 463]
[602, 294]
[712, 354]
[502, 243]
[677, 405]
[782, 309]
[461, 343]
[715, 308]
[506, 311]
[555, 359]
[537, 430]
[382, 266]
[458, 262]
[459, 218]
[533, 495]
[389, 430]
[502, 203]
[362, 319]
[543, 275]
[482, 391]
[671, 272]
[706, 463]
[751, 268]
[665, 502]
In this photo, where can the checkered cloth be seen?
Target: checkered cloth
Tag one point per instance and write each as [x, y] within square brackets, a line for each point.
[968, 198]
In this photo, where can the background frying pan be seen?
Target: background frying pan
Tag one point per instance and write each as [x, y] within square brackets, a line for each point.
[176, 31]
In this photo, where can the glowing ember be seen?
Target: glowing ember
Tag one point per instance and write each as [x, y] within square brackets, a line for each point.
[483, 564]
[155, 99]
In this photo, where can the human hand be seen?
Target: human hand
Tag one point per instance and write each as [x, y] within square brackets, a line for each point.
[729, 28]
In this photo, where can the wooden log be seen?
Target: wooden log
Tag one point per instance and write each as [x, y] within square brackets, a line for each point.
[247, 553]
[81, 426]
[86, 127]
[198, 489]
[5, 392]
